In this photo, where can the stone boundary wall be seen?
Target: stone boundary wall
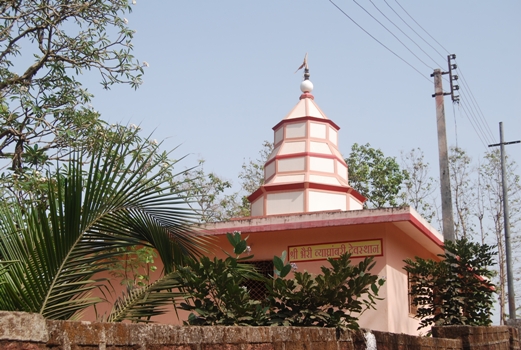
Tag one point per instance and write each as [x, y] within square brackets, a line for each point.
[31, 332]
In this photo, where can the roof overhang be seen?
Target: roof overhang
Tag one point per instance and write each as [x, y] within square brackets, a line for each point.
[405, 218]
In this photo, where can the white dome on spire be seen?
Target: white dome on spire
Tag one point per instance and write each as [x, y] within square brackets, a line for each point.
[306, 86]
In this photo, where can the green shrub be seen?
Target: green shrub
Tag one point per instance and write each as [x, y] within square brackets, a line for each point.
[455, 290]
[335, 298]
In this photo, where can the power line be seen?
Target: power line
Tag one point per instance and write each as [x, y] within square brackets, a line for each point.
[455, 124]
[380, 23]
[462, 108]
[471, 124]
[408, 37]
[379, 42]
[473, 99]
[480, 120]
[415, 32]
[468, 104]
[488, 138]
[404, 10]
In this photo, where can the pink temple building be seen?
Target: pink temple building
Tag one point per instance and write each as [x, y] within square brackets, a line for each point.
[307, 208]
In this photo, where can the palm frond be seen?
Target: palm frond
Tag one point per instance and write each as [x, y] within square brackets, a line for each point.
[139, 304]
[119, 201]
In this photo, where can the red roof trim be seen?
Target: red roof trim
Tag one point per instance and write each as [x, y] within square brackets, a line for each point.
[304, 185]
[305, 154]
[357, 195]
[307, 95]
[300, 119]
[420, 226]
[252, 197]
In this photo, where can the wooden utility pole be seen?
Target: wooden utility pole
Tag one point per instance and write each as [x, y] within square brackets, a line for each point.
[506, 223]
[446, 196]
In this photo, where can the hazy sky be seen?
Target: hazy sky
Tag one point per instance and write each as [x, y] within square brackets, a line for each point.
[221, 74]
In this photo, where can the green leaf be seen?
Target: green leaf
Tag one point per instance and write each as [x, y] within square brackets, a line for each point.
[278, 263]
[285, 270]
[231, 239]
[240, 247]
[374, 289]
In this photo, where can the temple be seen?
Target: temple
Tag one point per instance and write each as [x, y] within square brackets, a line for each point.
[307, 208]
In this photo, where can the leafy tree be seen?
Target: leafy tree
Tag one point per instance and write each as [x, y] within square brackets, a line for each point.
[44, 47]
[251, 178]
[252, 174]
[456, 290]
[478, 205]
[492, 201]
[210, 194]
[206, 193]
[375, 176]
[463, 191]
[133, 266]
[95, 206]
[419, 186]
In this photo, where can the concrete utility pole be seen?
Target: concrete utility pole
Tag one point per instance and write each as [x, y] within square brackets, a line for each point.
[446, 196]
[506, 222]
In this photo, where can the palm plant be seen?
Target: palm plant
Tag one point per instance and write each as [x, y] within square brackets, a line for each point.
[113, 198]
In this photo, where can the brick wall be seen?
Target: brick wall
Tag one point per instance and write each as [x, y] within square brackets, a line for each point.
[29, 331]
[480, 338]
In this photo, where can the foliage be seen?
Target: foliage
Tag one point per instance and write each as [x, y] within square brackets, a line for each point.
[251, 177]
[95, 207]
[210, 193]
[44, 110]
[334, 298]
[26, 185]
[463, 191]
[215, 292]
[478, 204]
[133, 266]
[206, 193]
[252, 174]
[456, 290]
[142, 302]
[491, 211]
[419, 186]
[375, 176]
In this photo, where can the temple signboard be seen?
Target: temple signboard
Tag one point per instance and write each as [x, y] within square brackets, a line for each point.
[357, 249]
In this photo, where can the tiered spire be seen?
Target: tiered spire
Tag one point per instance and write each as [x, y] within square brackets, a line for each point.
[305, 172]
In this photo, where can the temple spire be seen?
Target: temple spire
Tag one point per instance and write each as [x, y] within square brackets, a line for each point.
[305, 171]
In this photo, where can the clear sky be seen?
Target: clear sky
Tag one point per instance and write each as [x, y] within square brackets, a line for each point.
[221, 74]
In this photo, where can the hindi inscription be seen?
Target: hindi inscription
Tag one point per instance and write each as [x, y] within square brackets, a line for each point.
[357, 249]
